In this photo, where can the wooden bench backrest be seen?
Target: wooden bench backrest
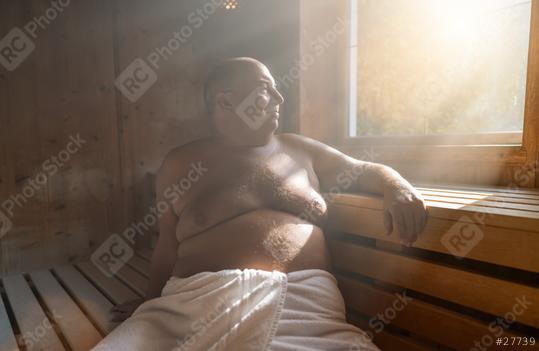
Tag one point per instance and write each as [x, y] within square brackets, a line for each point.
[457, 288]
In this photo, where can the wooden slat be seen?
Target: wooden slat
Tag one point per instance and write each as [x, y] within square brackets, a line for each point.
[111, 286]
[515, 196]
[452, 329]
[483, 203]
[133, 279]
[357, 200]
[87, 296]
[491, 295]
[140, 265]
[7, 338]
[480, 189]
[508, 218]
[389, 341]
[34, 325]
[504, 218]
[493, 248]
[494, 197]
[79, 332]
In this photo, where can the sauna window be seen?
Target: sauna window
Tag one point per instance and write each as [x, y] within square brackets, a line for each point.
[438, 67]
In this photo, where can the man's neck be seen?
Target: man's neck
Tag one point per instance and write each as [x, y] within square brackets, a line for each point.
[230, 138]
[236, 141]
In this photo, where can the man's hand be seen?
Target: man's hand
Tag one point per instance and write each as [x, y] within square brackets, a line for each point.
[405, 211]
[123, 311]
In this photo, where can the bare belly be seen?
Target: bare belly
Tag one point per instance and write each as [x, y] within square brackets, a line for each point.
[261, 239]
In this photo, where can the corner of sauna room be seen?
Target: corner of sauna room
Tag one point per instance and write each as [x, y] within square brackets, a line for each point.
[136, 148]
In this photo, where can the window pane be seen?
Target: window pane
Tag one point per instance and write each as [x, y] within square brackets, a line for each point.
[440, 66]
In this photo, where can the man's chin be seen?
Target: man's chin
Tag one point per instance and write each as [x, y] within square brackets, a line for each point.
[268, 128]
[273, 123]
[274, 117]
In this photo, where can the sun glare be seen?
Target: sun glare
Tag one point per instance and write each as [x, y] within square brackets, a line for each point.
[439, 66]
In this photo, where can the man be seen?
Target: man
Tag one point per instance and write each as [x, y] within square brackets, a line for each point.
[258, 208]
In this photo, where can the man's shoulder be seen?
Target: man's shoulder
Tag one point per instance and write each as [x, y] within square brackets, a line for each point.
[295, 139]
[301, 141]
[182, 156]
[317, 150]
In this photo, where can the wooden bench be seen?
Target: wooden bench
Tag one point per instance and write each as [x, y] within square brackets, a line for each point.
[477, 259]
[453, 300]
[66, 308]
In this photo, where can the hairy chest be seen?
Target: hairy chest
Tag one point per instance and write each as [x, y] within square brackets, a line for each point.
[240, 186]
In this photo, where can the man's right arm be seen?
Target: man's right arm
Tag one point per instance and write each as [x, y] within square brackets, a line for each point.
[165, 253]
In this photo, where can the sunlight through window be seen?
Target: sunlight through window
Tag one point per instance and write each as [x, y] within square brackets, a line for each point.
[421, 67]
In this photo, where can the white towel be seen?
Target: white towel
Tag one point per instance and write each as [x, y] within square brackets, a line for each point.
[242, 310]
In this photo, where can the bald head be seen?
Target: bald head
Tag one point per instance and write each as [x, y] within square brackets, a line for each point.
[226, 75]
[243, 101]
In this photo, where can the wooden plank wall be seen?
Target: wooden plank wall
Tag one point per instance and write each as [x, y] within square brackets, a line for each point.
[66, 86]
[62, 89]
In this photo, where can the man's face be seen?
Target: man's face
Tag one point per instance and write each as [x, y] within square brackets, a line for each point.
[257, 100]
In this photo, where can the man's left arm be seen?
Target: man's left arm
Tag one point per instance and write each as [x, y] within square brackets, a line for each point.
[404, 208]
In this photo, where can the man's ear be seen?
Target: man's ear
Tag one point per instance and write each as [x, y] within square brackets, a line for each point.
[224, 100]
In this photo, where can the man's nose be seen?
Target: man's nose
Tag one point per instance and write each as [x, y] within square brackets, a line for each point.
[277, 96]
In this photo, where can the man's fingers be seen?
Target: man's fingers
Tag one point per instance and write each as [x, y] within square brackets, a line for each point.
[412, 223]
[118, 315]
[123, 311]
[119, 311]
[119, 308]
[409, 224]
[410, 241]
[119, 318]
[388, 222]
[416, 218]
[401, 224]
[420, 221]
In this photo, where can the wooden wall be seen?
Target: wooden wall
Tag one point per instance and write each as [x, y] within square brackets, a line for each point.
[65, 87]
[62, 89]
